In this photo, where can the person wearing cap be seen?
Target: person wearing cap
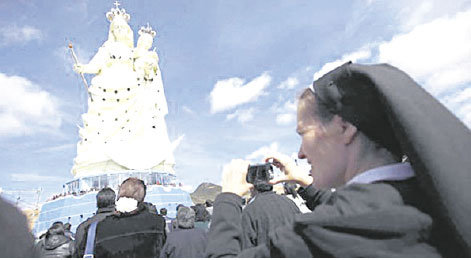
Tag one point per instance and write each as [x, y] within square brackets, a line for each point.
[356, 124]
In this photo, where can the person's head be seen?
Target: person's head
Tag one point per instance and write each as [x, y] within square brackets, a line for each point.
[290, 188]
[67, 226]
[209, 203]
[179, 206]
[133, 188]
[150, 207]
[105, 198]
[163, 211]
[185, 217]
[332, 142]
[56, 229]
[201, 214]
[58, 223]
[261, 187]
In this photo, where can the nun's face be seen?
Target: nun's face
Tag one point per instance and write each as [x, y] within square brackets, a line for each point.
[322, 146]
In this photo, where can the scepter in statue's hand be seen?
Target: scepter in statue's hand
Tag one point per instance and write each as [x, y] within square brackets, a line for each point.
[78, 69]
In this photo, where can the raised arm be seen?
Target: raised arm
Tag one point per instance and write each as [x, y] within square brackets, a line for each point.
[96, 63]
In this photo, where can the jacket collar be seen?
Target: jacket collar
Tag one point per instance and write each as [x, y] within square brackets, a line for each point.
[105, 210]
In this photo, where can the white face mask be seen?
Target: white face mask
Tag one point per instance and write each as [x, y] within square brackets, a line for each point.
[126, 204]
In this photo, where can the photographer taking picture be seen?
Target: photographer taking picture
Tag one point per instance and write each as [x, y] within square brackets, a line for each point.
[266, 210]
[356, 124]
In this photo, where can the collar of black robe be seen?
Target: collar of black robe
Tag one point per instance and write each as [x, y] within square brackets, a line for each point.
[353, 96]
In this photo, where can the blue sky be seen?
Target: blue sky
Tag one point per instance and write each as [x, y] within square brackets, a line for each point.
[231, 71]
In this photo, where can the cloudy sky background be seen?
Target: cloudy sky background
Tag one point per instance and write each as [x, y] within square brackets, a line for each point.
[231, 70]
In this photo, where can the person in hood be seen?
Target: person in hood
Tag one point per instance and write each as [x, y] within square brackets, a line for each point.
[55, 243]
[186, 241]
[265, 211]
[15, 238]
[356, 124]
[132, 231]
[105, 202]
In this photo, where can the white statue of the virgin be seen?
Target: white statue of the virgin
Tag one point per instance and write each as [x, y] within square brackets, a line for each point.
[122, 128]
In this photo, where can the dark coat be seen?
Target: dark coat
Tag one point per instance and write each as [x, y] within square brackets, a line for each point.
[135, 234]
[263, 214]
[82, 229]
[185, 243]
[359, 220]
[15, 238]
[56, 245]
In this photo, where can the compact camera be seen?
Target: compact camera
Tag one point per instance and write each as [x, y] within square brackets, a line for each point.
[260, 173]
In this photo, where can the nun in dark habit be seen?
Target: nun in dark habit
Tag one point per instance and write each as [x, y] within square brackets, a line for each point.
[357, 123]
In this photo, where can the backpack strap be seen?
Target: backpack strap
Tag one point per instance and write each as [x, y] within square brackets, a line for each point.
[90, 247]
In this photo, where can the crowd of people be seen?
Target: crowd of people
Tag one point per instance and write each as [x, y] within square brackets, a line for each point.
[357, 123]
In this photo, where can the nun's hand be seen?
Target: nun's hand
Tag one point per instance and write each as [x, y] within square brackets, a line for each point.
[292, 172]
[234, 177]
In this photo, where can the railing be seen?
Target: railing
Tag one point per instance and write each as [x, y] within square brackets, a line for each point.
[84, 185]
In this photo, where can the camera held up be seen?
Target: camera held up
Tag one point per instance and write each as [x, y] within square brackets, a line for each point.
[260, 173]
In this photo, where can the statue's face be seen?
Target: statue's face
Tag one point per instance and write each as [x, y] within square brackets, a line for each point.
[145, 41]
[120, 31]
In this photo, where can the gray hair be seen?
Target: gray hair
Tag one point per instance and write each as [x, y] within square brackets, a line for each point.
[186, 218]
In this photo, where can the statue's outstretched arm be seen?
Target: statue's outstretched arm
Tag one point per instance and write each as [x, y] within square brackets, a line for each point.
[96, 63]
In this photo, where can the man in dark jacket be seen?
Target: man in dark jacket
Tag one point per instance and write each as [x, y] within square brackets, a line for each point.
[186, 241]
[132, 231]
[355, 126]
[15, 238]
[105, 202]
[55, 243]
[265, 212]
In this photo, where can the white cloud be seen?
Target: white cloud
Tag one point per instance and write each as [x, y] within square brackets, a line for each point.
[435, 53]
[362, 54]
[33, 177]
[289, 83]
[460, 104]
[285, 119]
[263, 151]
[25, 108]
[229, 93]
[286, 114]
[14, 34]
[242, 115]
[413, 13]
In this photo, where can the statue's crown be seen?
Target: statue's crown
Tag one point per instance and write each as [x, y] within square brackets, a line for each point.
[117, 12]
[148, 30]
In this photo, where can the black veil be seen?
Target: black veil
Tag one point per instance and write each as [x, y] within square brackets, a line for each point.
[437, 144]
